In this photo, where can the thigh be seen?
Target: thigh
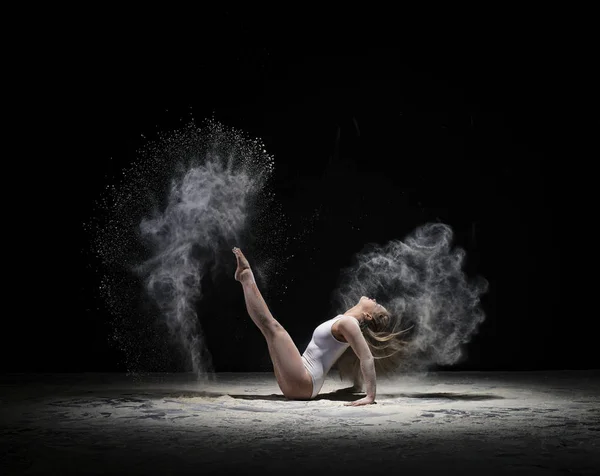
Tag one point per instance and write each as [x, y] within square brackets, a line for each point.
[292, 377]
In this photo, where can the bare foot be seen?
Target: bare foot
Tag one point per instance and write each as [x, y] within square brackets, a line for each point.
[243, 270]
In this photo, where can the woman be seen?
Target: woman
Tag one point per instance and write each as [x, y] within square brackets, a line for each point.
[300, 377]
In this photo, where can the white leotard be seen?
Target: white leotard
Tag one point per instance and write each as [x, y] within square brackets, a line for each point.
[322, 352]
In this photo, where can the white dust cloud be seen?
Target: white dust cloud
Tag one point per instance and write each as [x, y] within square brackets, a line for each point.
[421, 281]
[189, 198]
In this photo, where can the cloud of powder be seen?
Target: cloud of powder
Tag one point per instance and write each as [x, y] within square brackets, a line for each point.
[191, 196]
[421, 281]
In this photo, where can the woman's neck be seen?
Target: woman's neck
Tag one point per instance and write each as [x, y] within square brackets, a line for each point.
[354, 312]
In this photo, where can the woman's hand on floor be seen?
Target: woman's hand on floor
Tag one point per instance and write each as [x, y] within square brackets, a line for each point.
[362, 401]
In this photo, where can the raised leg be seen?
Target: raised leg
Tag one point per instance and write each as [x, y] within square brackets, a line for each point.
[292, 377]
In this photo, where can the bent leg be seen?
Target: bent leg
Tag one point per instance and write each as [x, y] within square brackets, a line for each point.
[291, 375]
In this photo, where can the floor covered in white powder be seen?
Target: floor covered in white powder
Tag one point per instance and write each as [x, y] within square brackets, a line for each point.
[445, 422]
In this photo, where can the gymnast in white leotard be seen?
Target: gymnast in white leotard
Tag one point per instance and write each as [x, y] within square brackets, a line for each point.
[366, 328]
[322, 352]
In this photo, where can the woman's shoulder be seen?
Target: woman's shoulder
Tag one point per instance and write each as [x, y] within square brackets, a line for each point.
[347, 320]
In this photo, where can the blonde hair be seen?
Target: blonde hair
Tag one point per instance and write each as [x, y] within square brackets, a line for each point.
[387, 346]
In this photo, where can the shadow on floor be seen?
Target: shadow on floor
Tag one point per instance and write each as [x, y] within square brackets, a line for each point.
[343, 394]
[272, 397]
[350, 394]
[446, 396]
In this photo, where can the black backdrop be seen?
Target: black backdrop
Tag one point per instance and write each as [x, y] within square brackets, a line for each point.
[374, 139]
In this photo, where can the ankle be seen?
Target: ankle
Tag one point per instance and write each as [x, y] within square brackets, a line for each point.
[246, 276]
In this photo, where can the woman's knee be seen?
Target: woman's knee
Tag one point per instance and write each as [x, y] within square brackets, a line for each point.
[297, 395]
[272, 328]
[297, 390]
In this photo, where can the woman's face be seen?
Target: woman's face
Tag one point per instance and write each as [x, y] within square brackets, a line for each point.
[368, 304]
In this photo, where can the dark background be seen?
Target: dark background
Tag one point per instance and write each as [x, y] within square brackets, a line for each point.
[375, 139]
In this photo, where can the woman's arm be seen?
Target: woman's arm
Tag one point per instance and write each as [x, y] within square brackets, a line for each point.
[350, 329]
